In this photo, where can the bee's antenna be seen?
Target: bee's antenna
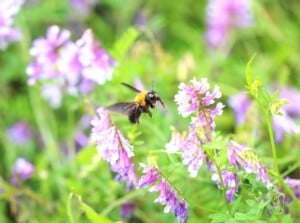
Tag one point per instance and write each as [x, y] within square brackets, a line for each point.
[152, 84]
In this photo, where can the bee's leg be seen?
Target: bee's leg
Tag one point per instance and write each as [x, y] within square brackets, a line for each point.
[148, 112]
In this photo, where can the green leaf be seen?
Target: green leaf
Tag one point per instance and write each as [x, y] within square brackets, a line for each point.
[122, 45]
[86, 155]
[92, 214]
[218, 217]
[249, 71]
[287, 219]
[69, 209]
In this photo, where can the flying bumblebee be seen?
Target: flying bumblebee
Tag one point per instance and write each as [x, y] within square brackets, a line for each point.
[142, 102]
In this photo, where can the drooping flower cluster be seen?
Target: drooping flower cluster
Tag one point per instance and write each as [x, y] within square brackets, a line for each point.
[113, 148]
[283, 123]
[196, 99]
[230, 181]
[62, 65]
[8, 11]
[21, 171]
[223, 16]
[245, 157]
[168, 196]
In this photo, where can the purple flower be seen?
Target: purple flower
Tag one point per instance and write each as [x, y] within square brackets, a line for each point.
[197, 99]
[8, 11]
[189, 97]
[223, 16]
[127, 209]
[190, 148]
[113, 148]
[294, 184]
[22, 170]
[291, 95]
[151, 175]
[230, 182]
[100, 122]
[176, 143]
[141, 19]
[19, 133]
[69, 67]
[167, 196]
[46, 55]
[83, 6]
[285, 123]
[240, 103]
[245, 157]
[97, 63]
[193, 154]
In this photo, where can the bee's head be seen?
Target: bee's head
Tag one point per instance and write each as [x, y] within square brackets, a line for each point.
[152, 97]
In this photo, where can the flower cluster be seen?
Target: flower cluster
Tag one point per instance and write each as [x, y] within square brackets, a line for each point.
[168, 195]
[283, 123]
[223, 16]
[66, 66]
[8, 11]
[230, 181]
[246, 158]
[21, 171]
[113, 148]
[198, 100]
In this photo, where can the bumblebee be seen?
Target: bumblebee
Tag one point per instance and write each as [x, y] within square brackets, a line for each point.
[143, 100]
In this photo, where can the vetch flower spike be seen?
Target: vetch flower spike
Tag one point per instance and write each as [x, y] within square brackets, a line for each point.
[113, 148]
[168, 195]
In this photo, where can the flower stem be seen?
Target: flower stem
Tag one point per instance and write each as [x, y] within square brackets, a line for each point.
[273, 147]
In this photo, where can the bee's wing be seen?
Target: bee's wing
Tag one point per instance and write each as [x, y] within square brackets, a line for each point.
[121, 107]
[131, 87]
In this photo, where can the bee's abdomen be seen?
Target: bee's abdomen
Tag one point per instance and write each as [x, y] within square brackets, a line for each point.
[135, 114]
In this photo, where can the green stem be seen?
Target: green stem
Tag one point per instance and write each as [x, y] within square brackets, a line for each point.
[118, 202]
[43, 125]
[223, 188]
[273, 147]
[71, 138]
